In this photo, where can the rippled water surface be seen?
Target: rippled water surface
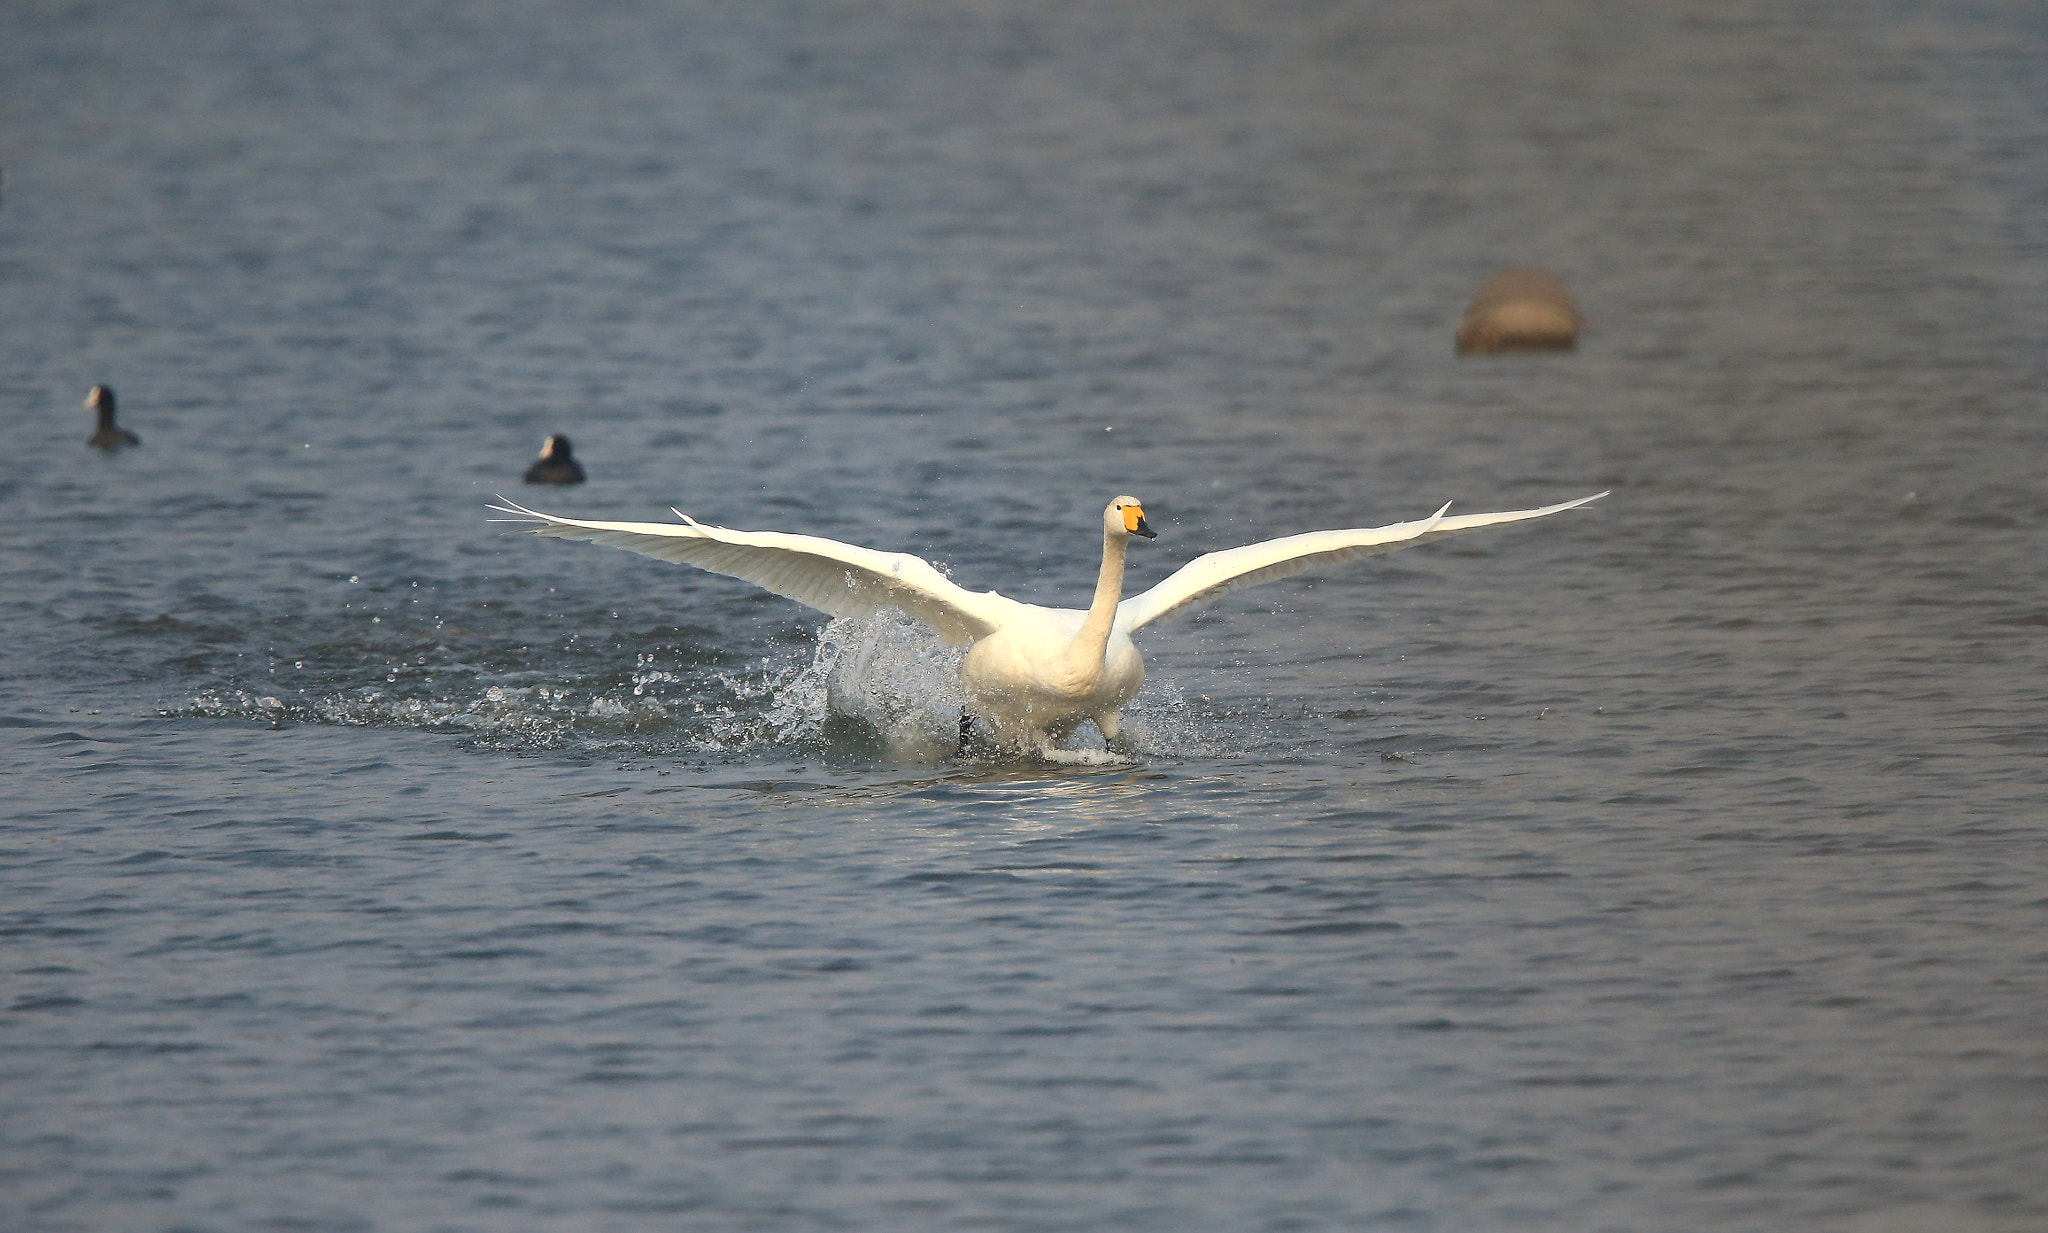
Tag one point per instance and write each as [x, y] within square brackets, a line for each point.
[1673, 864]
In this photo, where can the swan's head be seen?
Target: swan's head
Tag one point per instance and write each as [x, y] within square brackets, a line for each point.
[1126, 516]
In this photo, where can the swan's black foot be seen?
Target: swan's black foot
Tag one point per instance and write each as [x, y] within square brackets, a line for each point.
[977, 740]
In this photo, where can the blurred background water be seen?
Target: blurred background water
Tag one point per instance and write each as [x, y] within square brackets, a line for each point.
[1674, 865]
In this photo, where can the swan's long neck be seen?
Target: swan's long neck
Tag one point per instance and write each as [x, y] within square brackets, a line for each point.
[1091, 642]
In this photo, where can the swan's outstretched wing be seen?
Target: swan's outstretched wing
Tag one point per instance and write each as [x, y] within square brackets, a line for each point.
[827, 575]
[1219, 573]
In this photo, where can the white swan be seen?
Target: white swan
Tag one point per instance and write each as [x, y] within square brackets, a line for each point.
[1033, 674]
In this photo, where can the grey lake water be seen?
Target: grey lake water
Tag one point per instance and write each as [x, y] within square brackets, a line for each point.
[1675, 864]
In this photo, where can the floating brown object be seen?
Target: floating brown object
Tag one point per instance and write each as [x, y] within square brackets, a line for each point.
[1520, 310]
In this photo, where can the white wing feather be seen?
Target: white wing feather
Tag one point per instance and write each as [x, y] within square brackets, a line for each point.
[841, 579]
[1219, 573]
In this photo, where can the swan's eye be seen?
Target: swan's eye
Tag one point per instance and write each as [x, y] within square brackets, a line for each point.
[1133, 515]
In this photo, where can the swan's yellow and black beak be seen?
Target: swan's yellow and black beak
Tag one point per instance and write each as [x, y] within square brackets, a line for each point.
[1134, 523]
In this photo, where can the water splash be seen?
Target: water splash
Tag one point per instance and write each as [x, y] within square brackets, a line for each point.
[894, 677]
[878, 688]
[533, 717]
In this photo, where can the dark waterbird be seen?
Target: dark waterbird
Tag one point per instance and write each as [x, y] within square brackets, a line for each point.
[108, 436]
[556, 465]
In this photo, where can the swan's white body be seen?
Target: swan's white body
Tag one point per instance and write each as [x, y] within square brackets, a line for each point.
[1034, 673]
